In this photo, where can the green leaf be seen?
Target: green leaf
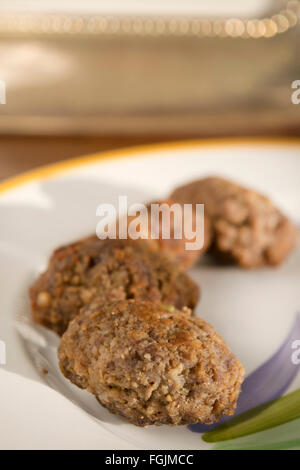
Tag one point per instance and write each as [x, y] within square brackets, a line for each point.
[286, 436]
[259, 419]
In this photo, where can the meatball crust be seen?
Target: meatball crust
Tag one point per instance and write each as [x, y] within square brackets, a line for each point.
[248, 229]
[108, 270]
[151, 363]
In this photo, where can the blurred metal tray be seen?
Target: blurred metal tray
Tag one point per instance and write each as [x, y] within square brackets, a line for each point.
[87, 74]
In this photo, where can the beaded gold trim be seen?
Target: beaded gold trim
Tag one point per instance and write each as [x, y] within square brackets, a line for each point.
[136, 26]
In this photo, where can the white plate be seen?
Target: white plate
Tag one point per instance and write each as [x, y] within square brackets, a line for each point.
[253, 310]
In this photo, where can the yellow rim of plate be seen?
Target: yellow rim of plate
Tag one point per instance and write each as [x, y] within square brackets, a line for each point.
[52, 170]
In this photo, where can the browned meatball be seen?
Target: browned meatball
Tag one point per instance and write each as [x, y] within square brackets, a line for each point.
[248, 229]
[151, 364]
[109, 270]
[174, 247]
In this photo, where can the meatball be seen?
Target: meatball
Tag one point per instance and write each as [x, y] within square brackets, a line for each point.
[151, 364]
[108, 270]
[172, 246]
[248, 229]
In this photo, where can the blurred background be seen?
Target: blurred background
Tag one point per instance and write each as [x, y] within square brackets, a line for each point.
[85, 76]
